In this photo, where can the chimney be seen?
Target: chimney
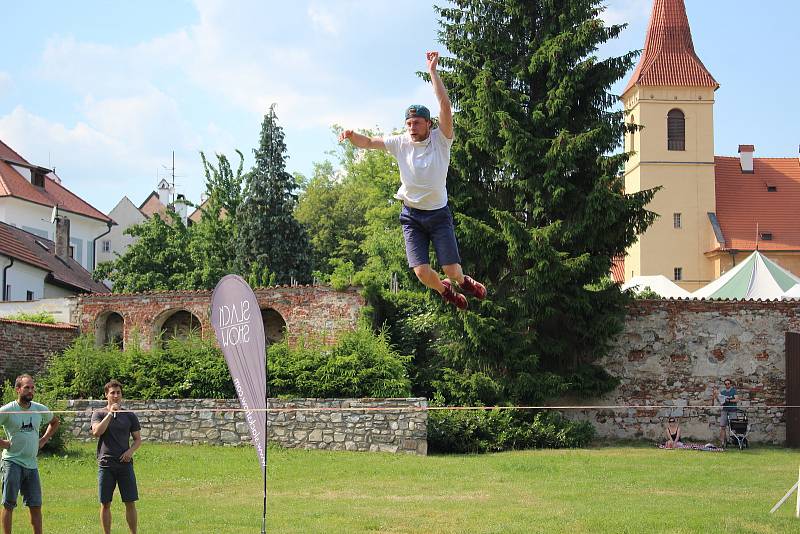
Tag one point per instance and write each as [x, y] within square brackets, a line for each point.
[181, 207]
[62, 237]
[746, 158]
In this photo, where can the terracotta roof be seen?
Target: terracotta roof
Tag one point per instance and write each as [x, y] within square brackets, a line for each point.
[618, 269]
[747, 148]
[152, 205]
[13, 184]
[743, 202]
[10, 246]
[669, 57]
[25, 247]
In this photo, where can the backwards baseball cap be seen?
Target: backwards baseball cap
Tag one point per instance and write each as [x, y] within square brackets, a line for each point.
[417, 110]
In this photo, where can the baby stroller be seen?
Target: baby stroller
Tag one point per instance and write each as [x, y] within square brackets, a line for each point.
[738, 428]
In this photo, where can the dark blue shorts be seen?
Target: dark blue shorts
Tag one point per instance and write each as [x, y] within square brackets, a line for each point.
[18, 479]
[423, 227]
[120, 474]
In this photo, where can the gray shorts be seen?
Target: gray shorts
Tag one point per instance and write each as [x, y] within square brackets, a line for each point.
[423, 227]
[18, 479]
[118, 475]
[723, 418]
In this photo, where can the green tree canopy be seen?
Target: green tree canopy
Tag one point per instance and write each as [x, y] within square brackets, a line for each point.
[534, 180]
[270, 238]
[158, 258]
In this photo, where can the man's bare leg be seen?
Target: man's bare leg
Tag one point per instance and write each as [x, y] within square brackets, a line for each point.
[454, 273]
[429, 277]
[8, 516]
[36, 519]
[131, 516]
[105, 517]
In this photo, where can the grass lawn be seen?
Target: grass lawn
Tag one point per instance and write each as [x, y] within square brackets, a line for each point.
[214, 490]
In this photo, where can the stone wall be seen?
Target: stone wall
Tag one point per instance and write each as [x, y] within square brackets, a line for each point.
[672, 352]
[299, 310]
[340, 424]
[25, 347]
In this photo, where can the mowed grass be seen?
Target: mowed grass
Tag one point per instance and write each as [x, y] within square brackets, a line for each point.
[203, 489]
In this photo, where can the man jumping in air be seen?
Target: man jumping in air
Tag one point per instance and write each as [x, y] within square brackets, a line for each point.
[423, 156]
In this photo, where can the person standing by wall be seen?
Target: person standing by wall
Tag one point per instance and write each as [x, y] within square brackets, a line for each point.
[21, 420]
[114, 429]
[727, 397]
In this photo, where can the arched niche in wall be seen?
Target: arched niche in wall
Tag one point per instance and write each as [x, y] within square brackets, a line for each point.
[110, 330]
[176, 324]
[274, 326]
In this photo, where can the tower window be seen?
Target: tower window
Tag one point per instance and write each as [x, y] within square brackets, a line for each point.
[676, 220]
[106, 245]
[676, 130]
[677, 273]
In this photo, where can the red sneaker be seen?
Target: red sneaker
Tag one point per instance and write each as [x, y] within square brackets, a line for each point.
[473, 288]
[456, 299]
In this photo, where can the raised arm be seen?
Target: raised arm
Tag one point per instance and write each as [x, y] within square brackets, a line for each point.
[445, 108]
[362, 141]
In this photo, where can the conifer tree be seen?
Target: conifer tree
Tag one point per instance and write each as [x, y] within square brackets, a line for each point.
[535, 183]
[269, 235]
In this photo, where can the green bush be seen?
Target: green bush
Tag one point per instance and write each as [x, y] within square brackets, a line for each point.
[190, 368]
[58, 442]
[479, 431]
[360, 364]
[38, 317]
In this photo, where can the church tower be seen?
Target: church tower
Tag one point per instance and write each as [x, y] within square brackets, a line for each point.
[671, 97]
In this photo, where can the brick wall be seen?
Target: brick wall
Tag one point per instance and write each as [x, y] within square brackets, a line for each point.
[25, 347]
[317, 310]
[336, 427]
[672, 352]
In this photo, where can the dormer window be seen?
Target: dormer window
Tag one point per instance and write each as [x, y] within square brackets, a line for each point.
[772, 188]
[37, 178]
[766, 236]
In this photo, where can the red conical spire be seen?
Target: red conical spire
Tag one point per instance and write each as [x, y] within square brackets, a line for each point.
[669, 57]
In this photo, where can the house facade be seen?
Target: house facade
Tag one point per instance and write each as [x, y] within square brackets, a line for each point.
[713, 210]
[28, 196]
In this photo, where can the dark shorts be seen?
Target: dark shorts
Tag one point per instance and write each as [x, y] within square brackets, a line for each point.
[18, 479]
[423, 227]
[121, 475]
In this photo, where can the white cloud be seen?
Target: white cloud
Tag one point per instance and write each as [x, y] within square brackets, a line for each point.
[633, 12]
[323, 19]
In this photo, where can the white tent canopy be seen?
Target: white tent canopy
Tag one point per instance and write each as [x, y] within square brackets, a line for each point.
[757, 277]
[658, 283]
[793, 293]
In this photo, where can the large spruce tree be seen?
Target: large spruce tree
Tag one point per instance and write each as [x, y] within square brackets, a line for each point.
[535, 183]
[270, 239]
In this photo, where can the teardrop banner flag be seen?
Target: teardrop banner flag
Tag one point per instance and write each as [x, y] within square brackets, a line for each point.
[236, 317]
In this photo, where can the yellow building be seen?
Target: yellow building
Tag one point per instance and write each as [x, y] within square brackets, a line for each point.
[713, 211]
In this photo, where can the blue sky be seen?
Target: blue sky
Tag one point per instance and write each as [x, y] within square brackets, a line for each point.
[105, 91]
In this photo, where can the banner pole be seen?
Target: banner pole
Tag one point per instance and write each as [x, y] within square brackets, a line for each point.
[797, 506]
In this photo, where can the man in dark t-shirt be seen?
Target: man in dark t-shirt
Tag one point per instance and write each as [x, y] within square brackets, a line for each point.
[114, 428]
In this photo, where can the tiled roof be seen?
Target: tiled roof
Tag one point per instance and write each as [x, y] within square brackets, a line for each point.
[669, 58]
[10, 246]
[13, 184]
[23, 246]
[618, 269]
[744, 203]
[152, 205]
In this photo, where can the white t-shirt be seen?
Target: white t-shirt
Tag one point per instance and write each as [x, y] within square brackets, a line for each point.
[423, 169]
